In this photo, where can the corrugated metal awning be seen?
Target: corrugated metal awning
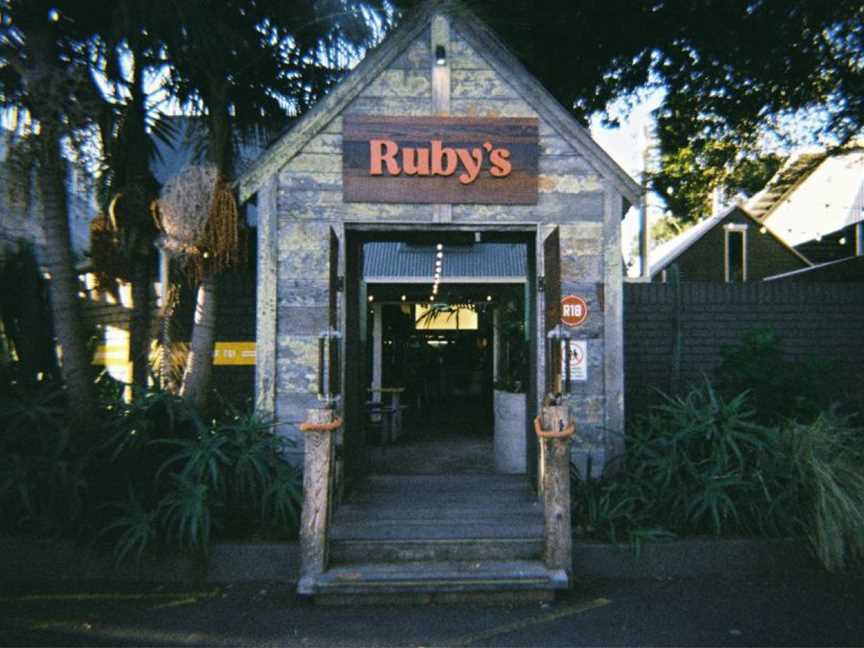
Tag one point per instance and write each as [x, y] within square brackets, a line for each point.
[397, 262]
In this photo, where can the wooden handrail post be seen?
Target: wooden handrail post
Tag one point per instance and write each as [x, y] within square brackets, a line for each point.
[555, 432]
[318, 456]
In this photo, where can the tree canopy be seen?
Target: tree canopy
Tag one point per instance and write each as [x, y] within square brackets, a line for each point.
[731, 70]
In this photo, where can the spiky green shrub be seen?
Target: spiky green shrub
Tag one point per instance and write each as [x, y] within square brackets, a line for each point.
[826, 457]
[43, 482]
[224, 477]
[700, 464]
[696, 465]
[153, 473]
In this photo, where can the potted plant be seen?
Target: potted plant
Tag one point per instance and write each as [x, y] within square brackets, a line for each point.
[509, 396]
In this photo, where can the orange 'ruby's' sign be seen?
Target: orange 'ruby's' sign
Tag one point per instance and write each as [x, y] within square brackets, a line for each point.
[574, 310]
[436, 160]
[439, 159]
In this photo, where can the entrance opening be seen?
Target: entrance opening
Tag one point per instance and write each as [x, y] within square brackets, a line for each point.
[445, 331]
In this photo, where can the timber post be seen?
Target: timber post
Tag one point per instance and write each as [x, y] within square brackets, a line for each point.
[555, 431]
[317, 494]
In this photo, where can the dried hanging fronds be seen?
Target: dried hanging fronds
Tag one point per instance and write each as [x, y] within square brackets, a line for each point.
[223, 241]
[168, 365]
[183, 209]
[109, 263]
[116, 235]
[200, 220]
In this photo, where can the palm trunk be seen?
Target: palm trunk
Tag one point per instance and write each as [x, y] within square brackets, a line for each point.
[139, 322]
[199, 364]
[138, 174]
[63, 284]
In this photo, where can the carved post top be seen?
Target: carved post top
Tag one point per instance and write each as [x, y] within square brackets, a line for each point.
[321, 420]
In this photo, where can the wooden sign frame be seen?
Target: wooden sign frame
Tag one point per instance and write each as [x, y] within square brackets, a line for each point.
[472, 160]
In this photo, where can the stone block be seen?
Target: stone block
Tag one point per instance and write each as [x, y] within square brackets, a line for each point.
[480, 84]
[401, 83]
[416, 106]
[297, 363]
[302, 320]
[418, 56]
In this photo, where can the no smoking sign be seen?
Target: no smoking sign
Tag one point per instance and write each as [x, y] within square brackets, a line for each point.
[574, 359]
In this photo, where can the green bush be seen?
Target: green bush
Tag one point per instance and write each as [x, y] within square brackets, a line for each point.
[153, 473]
[225, 478]
[826, 457]
[43, 482]
[780, 388]
[700, 464]
[695, 466]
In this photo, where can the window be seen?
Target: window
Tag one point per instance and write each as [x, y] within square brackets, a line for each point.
[735, 253]
[445, 317]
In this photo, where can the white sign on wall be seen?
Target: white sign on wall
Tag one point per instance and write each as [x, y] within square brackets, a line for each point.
[577, 350]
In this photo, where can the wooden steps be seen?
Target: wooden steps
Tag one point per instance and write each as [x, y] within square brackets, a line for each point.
[434, 577]
[437, 535]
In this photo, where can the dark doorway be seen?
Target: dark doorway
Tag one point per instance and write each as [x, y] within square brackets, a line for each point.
[431, 343]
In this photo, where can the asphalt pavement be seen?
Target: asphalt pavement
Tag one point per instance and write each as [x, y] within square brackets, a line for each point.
[798, 609]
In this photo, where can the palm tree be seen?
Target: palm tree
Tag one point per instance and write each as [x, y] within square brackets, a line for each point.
[123, 237]
[247, 66]
[45, 76]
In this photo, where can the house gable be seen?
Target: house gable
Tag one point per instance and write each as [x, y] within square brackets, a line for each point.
[702, 258]
[396, 79]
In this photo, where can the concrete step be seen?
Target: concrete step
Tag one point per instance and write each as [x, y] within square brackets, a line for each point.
[437, 530]
[432, 487]
[450, 577]
[345, 552]
[452, 517]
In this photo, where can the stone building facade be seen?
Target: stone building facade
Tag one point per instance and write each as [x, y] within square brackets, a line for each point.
[441, 62]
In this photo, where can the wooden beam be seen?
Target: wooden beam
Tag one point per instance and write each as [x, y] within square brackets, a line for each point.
[558, 539]
[317, 487]
[441, 213]
[265, 320]
[613, 322]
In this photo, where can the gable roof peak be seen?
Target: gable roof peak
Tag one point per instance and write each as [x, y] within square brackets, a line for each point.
[483, 40]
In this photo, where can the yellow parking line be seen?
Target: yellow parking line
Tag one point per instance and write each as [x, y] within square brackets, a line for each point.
[108, 596]
[570, 610]
[177, 603]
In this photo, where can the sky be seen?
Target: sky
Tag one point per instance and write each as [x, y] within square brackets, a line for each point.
[626, 144]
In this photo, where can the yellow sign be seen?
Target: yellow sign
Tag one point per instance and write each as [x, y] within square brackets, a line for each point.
[234, 353]
[225, 353]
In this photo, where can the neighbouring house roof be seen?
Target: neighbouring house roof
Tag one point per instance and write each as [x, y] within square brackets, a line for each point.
[848, 269]
[482, 39]
[796, 169]
[666, 253]
[398, 262]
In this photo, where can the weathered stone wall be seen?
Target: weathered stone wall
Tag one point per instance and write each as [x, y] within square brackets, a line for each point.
[571, 197]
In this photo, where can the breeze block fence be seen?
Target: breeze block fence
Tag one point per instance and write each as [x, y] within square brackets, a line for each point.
[813, 320]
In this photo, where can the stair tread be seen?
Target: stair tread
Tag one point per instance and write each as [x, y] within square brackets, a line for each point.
[438, 576]
[424, 516]
[435, 531]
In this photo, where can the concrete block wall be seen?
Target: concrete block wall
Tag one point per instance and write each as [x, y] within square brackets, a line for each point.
[814, 321]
